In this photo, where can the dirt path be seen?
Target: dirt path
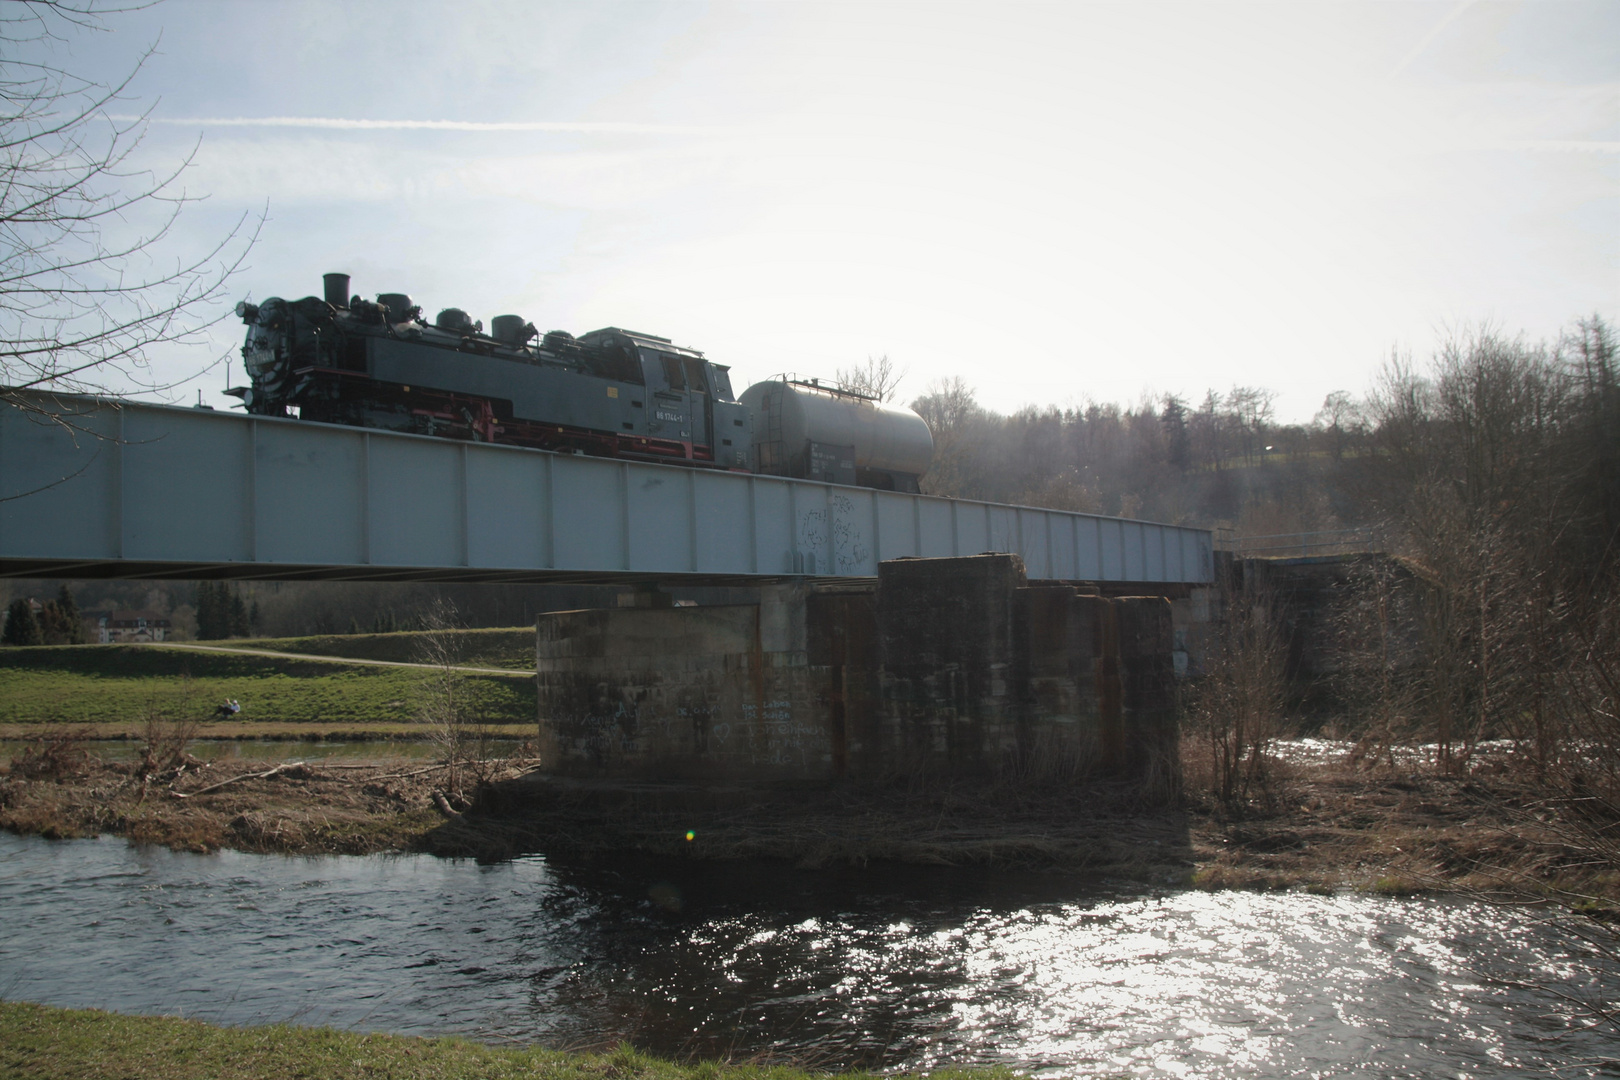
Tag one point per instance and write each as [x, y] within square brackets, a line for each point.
[513, 672]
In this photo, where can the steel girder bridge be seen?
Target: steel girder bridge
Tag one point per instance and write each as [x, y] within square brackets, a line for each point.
[109, 488]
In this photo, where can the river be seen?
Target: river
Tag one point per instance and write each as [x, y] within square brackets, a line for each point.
[878, 967]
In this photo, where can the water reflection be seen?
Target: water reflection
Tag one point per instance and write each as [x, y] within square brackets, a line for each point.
[900, 967]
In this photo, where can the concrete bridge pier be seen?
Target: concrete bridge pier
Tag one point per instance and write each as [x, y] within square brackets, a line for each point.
[949, 668]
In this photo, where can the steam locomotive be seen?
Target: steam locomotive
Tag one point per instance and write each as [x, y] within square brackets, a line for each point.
[342, 359]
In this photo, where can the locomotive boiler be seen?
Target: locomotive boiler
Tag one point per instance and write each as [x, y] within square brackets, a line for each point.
[612, 392]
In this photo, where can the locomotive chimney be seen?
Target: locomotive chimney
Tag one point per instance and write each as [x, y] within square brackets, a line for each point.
[337, 289]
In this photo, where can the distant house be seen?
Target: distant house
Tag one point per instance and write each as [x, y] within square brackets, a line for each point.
[108, 627]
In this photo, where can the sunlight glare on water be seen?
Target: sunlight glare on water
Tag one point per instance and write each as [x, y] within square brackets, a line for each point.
[890, 968]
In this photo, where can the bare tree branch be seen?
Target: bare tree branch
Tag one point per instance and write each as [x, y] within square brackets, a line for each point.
[878, 378]
[93, 277]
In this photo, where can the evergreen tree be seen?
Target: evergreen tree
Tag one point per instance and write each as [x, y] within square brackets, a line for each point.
[68, 607]
[236, 623]
[1178, 449]
[53, 624]
[212, 612]
[254, 622]
[201, 604]
[22, 628]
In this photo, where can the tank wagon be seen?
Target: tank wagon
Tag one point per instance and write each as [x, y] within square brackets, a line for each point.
[828, 433]
[612, 392]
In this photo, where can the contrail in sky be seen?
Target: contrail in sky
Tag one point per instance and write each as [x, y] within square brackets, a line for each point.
[1434, 32]
[585, 127]
[1577, 146]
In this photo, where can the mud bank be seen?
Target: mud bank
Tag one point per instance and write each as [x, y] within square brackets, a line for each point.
[352, 808]
[1322, 825]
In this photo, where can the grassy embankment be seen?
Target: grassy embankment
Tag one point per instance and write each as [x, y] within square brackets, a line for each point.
[115, 689]
[68, 1044]
[503, 647]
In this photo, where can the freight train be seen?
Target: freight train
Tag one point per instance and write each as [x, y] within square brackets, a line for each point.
[342, 359]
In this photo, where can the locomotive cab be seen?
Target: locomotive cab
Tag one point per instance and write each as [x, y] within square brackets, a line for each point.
[687, 398]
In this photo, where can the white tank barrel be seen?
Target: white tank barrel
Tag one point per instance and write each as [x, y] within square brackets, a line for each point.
[822, 433]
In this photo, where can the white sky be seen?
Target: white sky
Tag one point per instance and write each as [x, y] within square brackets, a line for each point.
[1055, 202]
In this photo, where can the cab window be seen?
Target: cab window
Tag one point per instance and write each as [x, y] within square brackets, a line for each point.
[694, 375]
[672, 373]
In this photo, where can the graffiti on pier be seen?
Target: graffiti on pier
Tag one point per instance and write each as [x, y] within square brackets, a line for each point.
[776, 737]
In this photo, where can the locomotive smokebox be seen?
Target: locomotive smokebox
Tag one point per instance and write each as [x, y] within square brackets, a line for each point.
[337, 289]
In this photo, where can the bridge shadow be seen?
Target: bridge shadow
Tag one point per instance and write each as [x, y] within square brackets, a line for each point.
[1104, 829]
[836, 927]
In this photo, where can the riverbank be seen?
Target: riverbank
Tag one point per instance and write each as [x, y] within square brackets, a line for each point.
[1323, 825]
[1332, 825]
[60, 788]
[68, 1044]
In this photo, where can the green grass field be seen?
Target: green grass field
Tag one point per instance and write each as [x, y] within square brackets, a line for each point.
[125, 684]
[81, 1044]
[504, 647]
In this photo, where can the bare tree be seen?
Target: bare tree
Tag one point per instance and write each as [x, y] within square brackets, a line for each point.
[948, 405]
[1491, 469]
[450, 704]
[1251, 408]
[953, 417]
[1205, 428]
[1236, 706]
[1341, 418]
[93, 277]
[877, 378]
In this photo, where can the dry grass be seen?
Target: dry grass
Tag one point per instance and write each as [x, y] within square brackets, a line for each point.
[52, 754]
[336, 808]
[1348, 825]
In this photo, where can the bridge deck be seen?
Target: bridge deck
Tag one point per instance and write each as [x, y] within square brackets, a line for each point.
[134, 490]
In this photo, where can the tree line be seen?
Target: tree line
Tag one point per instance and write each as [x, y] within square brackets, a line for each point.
[1499, 469]
[1224, 461]
[1493, 612]
[58, 622]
